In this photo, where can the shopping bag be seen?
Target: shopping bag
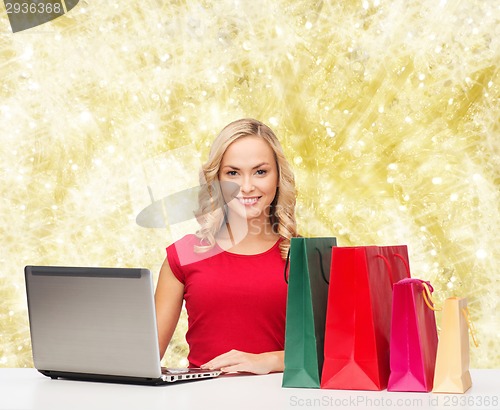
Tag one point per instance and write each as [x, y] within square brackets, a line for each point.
[452, 374]
[309, 266]
[359, 314]
[413, 343]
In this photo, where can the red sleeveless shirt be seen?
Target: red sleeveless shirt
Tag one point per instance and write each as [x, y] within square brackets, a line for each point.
[233, 301]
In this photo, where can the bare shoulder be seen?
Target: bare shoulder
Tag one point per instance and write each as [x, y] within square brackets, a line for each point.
[167, 275]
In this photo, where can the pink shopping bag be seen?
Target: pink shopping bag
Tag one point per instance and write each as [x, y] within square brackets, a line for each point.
[414, 339]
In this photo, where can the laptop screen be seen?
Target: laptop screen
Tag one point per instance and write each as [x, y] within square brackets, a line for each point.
[93, 320]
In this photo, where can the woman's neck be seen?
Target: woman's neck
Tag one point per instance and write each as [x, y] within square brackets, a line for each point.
[246, 237]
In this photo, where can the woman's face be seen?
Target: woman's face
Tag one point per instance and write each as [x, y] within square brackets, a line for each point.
[249, 162]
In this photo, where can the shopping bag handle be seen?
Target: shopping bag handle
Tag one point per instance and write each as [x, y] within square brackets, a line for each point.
[428, 297]
[427, 289]
[286, 265]
[397, 255]
[389, 269]
[321, 266]
[287, 262]
[472, 329]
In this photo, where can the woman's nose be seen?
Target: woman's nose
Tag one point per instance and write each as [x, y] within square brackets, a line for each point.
[247, 185]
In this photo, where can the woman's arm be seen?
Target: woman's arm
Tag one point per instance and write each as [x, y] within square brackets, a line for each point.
[168, 300]
[236, 361]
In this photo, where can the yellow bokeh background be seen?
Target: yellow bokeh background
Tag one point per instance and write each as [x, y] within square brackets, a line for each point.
[388, 111]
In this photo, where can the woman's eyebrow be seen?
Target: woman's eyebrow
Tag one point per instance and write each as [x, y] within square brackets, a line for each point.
[237, 169]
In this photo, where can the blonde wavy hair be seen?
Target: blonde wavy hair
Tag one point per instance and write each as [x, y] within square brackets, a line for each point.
[211, 213]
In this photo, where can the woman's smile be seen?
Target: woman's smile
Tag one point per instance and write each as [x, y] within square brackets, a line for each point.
[248, 201]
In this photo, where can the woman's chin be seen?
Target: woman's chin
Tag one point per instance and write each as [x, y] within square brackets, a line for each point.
[246, 212]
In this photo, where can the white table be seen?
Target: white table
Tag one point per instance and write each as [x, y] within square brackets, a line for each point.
[23, 389]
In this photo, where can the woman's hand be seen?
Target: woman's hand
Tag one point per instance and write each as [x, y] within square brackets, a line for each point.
[236, 361]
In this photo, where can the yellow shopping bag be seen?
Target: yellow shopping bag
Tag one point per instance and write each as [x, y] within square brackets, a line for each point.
[451, 374]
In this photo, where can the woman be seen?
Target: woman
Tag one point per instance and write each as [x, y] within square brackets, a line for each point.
[230, 273]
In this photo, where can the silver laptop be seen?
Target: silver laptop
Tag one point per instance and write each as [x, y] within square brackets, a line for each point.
[97, 324]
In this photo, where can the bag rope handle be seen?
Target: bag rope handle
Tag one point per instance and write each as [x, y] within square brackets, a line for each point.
[407, 266]
[287, 262]
[389, 269]
[286, 265]
[321, 266]
[472, 328]
[465, 312]
[428, 298]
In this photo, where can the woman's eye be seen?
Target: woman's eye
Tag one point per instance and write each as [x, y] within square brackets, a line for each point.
[261, 172]
[231, 173]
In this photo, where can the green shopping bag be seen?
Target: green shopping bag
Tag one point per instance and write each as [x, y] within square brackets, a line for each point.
[309, 262]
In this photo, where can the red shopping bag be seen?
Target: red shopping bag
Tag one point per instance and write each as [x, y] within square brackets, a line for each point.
[358, 316]
[414, 337]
